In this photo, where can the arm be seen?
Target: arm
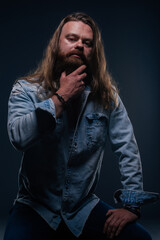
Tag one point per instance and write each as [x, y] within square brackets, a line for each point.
[70, 86]
[125, 148]
[28, 120]
[132, 196]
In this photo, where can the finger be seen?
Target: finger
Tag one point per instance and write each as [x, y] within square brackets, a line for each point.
[79, 70]
[82, 84]
[115, 225]
[112, 228]
[82, 87]
[109, 216]
[120, 227]
[82, 76]
[63, 74]
[108, 223]
[112, 223]
[109, 213]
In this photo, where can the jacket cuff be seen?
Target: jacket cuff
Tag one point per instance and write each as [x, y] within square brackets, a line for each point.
[47, 105]
[46, 116]
[135, 198]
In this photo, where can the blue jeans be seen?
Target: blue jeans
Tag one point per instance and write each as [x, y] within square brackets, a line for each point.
[25, 224]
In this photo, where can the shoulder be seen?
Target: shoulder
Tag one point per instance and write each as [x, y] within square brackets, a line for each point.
[24, 86]
[32, 87]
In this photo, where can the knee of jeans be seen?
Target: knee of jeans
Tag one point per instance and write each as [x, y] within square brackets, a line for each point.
[146, 236]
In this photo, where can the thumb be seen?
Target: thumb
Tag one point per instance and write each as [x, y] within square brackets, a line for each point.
[109, 213]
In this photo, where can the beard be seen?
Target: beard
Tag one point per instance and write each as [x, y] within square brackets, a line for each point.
[68, 63]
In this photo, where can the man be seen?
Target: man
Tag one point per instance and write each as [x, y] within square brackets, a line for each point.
[59, 117]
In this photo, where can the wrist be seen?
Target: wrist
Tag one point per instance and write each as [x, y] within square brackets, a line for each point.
[61, 99]
[63, 95]
[133, 209]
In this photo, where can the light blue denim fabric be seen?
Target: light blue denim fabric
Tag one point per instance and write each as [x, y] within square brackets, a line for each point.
[61, 165]
[135, 198]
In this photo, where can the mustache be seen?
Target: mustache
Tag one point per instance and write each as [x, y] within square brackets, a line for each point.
[75, 52]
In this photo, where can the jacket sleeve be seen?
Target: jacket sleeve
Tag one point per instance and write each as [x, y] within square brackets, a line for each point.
[27, 120]
[125, 147]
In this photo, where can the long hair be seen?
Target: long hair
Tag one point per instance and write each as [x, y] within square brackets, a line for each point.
[102, 86]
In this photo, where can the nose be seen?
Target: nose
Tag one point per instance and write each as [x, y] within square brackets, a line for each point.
[79, 45]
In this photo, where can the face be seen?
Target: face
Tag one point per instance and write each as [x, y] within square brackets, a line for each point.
[76, 41]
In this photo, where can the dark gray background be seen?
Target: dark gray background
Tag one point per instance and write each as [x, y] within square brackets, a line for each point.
[131, 35]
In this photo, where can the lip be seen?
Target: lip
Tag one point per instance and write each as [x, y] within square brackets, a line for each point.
[76, 55]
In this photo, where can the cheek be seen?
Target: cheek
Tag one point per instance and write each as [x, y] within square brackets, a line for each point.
[88, 53]
[64, 47]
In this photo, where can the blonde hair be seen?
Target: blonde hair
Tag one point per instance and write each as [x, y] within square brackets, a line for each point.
[102, 85]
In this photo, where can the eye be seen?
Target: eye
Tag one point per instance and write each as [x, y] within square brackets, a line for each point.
[88, 43]
[71, 39]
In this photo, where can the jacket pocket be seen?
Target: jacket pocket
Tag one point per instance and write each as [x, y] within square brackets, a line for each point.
[96, 130]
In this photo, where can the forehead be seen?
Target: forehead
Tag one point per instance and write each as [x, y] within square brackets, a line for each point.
[77, 28]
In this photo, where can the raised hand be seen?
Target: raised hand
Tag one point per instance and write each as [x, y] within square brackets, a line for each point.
[72, 85]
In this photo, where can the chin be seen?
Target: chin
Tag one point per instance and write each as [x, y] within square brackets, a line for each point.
[75, 60]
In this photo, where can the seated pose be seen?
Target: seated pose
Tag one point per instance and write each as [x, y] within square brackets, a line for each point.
[60, 116]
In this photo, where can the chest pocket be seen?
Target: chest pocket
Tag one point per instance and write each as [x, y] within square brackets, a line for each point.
[96, 130]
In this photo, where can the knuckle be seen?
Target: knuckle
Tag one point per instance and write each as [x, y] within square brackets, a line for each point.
[78, 77]
[84, 75]
[109, 227]
[115, 225]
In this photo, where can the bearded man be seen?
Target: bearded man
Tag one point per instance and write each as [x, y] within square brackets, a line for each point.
[59, 117]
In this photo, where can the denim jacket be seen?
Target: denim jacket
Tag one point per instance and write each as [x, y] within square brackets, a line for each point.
[61, 161]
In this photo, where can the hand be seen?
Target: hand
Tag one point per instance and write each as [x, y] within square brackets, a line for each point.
[116, 221]
[72, 84]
